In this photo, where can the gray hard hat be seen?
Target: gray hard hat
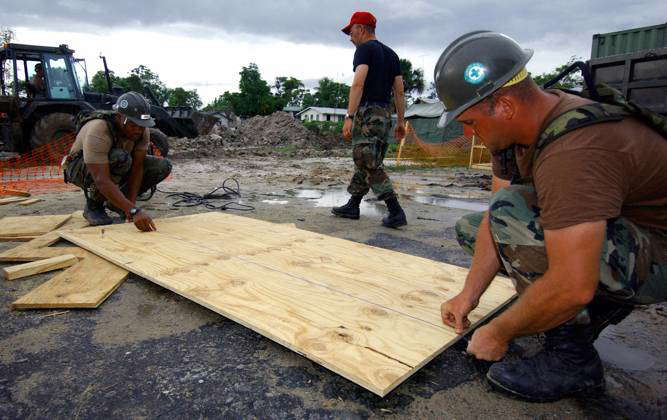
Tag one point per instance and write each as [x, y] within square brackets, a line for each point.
[136, 108]
[473, 67]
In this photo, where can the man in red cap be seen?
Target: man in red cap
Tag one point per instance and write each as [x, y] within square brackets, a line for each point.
[368, 120]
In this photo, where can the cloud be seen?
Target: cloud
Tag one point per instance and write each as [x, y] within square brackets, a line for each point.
[420, 23]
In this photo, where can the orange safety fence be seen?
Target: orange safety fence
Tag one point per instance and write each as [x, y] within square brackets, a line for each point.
[453, 152]
[37, 170]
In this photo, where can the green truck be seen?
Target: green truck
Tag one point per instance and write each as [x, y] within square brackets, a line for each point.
[635, 62]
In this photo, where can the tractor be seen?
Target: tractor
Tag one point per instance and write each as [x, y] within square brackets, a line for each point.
[42, 89]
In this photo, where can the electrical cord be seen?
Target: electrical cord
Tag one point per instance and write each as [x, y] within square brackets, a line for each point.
[189, 199]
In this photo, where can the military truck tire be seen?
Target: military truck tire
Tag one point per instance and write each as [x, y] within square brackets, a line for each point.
[160, 142]
[51, 127]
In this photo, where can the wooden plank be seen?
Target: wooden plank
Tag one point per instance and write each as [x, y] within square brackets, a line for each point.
[42, 266]
[30, 201]
[84, 285]
[17, 238]
[11, 200]
[5, 191]
[37, 249]
[31, 225]
[369, 314]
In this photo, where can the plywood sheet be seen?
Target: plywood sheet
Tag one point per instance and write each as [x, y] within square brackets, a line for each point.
[369, 314]
[84, 285]
[31, 225]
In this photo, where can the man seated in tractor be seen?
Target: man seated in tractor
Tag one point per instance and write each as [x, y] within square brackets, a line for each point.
[108, 162]
[37, 80]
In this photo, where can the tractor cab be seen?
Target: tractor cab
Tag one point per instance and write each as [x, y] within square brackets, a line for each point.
[40, 73]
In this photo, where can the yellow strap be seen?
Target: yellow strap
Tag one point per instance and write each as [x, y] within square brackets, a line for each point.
[518, 78]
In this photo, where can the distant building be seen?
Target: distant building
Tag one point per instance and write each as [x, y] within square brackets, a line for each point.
[292, 110]
[318, 113]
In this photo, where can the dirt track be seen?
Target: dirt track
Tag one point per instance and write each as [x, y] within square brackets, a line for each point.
[148, 352]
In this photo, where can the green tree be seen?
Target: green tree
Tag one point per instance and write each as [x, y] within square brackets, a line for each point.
[143, 76]
[254, 96]
[413, 79]
[6, 36]
[219, 104]
[99, 83]
[290, 89]
[328, 94]
[570, 81]
[181, 97]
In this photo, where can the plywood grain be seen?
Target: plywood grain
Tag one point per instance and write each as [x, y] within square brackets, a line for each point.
[369, 314]
[15, 272]
[84, 285]
[31, 225]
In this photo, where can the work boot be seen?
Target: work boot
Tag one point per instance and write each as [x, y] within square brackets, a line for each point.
[350, 210]
[568, 365]
[95, 215]
[396, 217]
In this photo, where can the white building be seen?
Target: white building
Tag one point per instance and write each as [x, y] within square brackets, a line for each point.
[318, 113]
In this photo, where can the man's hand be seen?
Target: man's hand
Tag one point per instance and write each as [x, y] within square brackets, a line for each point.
[455, 312]
[486, 344]
[347, 129]
[143, 222]
[399, 132]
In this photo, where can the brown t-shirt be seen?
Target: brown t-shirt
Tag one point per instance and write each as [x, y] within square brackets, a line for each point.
[599, 172]
[96, 141]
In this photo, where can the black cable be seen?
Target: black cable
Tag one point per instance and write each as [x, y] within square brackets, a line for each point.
[189, 199]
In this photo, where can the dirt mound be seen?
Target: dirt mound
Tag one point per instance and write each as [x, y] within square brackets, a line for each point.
[278, 134]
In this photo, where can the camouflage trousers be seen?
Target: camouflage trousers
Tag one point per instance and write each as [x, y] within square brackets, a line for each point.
[633, 267]
[156, 169]
[369, 141]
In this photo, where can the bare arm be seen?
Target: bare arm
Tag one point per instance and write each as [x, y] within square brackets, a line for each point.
[485, 265]
[136, 174]
[110, 191]
[356, 91]
[399, 102]
[565, 289]
[102, 179]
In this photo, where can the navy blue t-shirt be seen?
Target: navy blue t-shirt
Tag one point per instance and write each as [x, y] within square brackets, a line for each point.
[383, 67]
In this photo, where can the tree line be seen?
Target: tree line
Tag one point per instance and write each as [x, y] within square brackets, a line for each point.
[255, 95]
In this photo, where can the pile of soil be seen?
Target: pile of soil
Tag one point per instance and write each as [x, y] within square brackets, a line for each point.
[278, 134]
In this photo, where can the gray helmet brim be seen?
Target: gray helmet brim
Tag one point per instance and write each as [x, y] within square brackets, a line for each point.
[143, 123]
[450, 115]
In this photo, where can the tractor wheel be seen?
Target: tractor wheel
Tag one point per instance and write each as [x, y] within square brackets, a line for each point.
[51, 127]
[159, 143]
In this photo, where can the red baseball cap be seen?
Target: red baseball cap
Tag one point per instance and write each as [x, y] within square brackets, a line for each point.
[361, 18]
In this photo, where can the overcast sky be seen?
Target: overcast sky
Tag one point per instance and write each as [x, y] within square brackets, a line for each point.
[202, 44]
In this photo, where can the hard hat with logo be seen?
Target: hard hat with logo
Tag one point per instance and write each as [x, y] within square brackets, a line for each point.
[136, 108]
[473, 67]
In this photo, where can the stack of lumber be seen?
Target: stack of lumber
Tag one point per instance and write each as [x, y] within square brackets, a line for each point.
[87, 281]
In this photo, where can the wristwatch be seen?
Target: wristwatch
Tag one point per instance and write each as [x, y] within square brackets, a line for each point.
[133, 212]
[348, 116]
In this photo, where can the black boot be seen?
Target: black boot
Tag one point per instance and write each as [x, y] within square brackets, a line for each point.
[95, 215]
[350, 210]
[568, 365]
[396, 217]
